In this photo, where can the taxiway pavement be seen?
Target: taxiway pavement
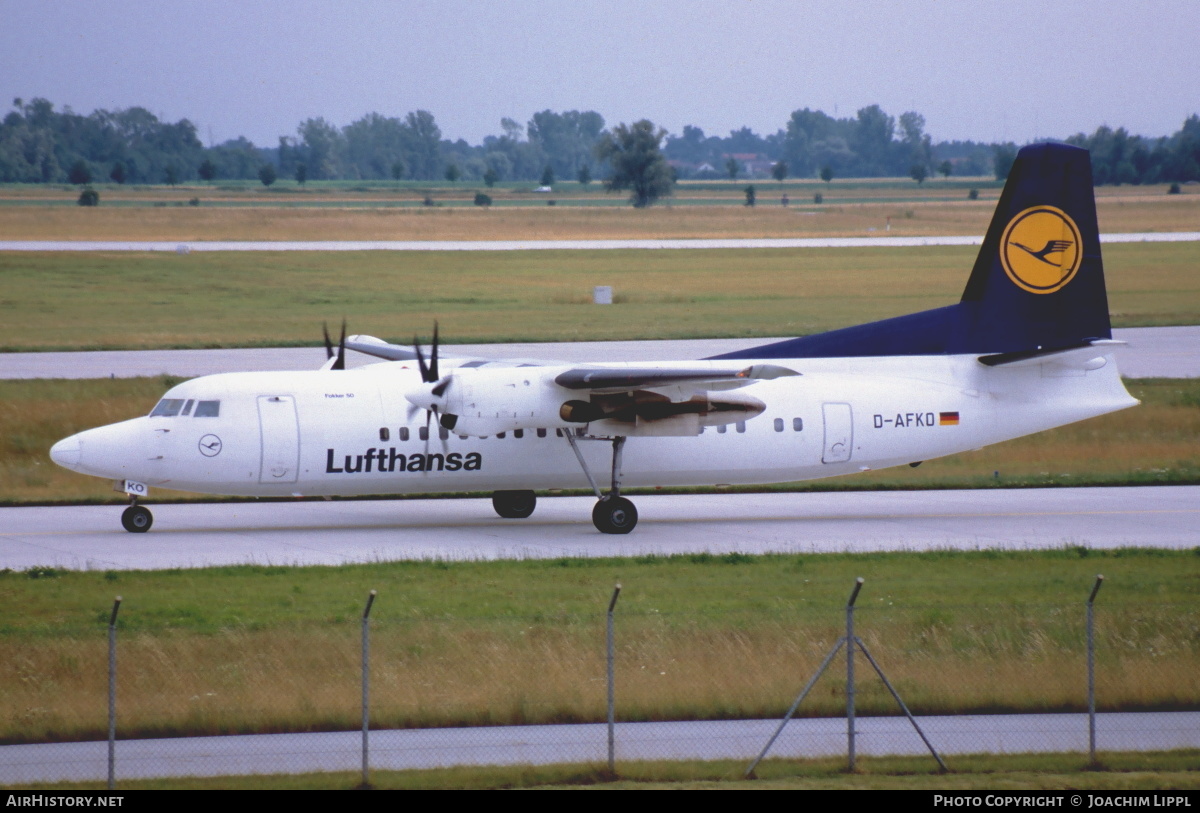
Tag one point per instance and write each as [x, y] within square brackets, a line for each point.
[362, 531]
[422, 749]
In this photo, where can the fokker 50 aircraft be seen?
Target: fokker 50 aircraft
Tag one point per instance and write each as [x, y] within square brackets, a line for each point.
[1027, 348]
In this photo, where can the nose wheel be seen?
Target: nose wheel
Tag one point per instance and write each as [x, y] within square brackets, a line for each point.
[137, 519]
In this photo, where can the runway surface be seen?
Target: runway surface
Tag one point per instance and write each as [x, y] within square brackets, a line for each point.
[1152, 352]
[877, 240]
[343, 532]
[588, 744]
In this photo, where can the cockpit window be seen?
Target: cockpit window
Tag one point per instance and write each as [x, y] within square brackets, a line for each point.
[167, 408]
[171, 407]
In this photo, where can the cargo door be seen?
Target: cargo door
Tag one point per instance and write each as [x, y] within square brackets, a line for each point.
[839, 433]
[280, 439]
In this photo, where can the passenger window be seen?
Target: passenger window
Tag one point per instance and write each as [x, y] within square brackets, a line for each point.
[518, 433]
[167, 408]
[541, 433]
[443, 433]
[423, 433]
[207, 409]
[779, 424]
[797, 424]
[384, 433]
[403, 433]
[558, 433]
[741, 426]
[721, 429]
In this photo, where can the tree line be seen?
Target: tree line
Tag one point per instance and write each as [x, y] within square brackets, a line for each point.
[39, 144]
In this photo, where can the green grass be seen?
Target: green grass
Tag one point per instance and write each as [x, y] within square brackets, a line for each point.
[272, 649]
[702, 587]
[69, 301]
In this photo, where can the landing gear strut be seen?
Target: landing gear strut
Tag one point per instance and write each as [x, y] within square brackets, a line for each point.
[613, 513]
[137, 519]
[514, 504]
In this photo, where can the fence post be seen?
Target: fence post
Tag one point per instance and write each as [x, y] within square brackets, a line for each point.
[112, 695]
[366, 685]
[612, 709]
[858, 583]
[1091, 669]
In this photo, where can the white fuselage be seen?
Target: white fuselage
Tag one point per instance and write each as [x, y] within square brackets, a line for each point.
[353, 432]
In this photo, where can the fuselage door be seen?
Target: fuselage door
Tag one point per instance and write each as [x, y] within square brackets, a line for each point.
[280, 439]
[839, 433]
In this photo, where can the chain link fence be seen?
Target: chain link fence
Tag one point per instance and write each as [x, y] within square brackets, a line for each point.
[536, 689]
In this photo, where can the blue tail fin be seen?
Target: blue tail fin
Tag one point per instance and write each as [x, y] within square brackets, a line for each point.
[1037, 284]
[1038, 281]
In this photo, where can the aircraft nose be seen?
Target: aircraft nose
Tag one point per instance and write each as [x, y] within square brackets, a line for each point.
[67, 452]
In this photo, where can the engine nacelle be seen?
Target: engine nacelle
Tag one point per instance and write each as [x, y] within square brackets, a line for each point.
[485, 402]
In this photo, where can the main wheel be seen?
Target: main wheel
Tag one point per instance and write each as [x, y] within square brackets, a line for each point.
[137, 519]
[615, 515]
[514, 504]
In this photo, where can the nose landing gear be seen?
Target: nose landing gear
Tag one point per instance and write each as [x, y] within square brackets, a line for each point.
[137, 519]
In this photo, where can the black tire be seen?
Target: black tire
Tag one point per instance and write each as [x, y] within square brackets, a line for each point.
[137, 519]
[514, 504]
[615, 515]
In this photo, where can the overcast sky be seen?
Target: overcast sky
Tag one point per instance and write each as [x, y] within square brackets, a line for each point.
[988, 71]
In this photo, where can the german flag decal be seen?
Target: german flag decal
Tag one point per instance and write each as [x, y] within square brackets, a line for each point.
[947, 419]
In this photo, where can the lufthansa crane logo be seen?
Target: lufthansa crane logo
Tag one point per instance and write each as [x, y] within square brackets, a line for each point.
[210, 445]
[1041, 249]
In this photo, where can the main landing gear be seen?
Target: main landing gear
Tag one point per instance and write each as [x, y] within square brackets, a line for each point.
[613, 513]
[137, 519]
[514, 504]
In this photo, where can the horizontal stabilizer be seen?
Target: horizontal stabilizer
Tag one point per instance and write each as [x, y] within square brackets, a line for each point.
[1077, 356]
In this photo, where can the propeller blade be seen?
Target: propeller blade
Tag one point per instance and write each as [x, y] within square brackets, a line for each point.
[340, 364]
[421, 361]
[328, 344]
[433, 356]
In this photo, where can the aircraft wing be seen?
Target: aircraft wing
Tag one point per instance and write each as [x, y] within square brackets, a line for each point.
[380, 349]
[624, 379]
[373, 346]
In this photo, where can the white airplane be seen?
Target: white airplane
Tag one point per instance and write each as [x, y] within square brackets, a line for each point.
[1028, 348]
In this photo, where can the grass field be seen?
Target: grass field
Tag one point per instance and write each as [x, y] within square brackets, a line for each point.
[236, 299]
[1157, 442]
[261, 649]
[379, 211]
